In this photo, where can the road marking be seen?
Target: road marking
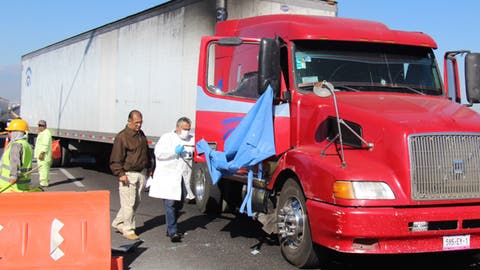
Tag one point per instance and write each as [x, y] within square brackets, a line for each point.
[71, 178]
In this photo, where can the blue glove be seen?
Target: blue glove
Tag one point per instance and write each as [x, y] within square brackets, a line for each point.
[179, 149]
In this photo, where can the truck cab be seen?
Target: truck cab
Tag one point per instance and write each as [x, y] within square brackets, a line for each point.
[364, 132]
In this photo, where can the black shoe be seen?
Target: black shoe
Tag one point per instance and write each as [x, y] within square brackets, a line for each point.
[179, 233]
[175, 238]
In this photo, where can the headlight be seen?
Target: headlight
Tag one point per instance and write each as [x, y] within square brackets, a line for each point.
[362, 190]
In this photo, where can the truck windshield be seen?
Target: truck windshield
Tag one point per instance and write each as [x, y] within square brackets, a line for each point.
[360, 66]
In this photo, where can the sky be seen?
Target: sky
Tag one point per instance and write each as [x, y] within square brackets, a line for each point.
[29, 25]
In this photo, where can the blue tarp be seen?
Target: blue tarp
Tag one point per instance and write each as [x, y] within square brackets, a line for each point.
[249, 144]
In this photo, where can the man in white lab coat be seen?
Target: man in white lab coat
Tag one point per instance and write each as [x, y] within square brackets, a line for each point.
[173, 156]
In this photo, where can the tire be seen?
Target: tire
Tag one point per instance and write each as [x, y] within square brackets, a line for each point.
[66, 155]
[294, 230]
[56, 162]
[207, 196]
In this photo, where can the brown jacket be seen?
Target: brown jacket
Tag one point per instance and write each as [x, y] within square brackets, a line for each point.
[129, 152]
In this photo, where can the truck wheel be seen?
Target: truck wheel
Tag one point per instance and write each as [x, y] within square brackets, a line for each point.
[56, 162]
[293, 227]
[65, 159]
[207, 196]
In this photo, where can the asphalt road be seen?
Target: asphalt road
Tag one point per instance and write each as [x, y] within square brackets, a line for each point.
[229, 241]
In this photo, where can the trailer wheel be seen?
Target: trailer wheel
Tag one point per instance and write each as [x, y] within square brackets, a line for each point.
[207, 195]
[56, 162]
[66, 155]
[293, 227]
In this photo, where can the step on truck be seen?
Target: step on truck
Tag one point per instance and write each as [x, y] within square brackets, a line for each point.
[373, 155]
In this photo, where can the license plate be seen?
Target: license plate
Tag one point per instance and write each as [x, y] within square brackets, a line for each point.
[456, 242]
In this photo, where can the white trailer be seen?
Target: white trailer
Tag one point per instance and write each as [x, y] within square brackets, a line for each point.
[85, 86]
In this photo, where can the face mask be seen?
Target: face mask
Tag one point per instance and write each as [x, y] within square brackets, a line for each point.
[184, 134]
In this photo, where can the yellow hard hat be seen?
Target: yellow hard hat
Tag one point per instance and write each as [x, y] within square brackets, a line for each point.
[17, 125]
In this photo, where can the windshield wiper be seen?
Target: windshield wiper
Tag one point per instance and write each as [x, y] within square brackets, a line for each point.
[340, 86]
[345, 87]
[306, 86]
[414, 90]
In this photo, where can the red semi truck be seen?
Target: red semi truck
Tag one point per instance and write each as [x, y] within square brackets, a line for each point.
[372, 156]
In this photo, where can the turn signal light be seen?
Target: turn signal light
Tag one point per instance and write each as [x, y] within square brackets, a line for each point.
[343, 190]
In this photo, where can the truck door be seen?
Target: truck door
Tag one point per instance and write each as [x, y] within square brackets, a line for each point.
[228, 86]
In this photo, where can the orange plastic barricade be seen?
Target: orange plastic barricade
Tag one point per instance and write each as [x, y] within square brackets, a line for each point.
[55, 230]
[117, 263]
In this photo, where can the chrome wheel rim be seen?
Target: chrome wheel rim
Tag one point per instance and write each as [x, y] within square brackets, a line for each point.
[200, 185]
[291, 223]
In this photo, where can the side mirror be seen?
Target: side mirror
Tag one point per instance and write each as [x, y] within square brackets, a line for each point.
[472, 77]
[269, 65]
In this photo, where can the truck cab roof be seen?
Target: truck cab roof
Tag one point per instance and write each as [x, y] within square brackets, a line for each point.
[301, 27]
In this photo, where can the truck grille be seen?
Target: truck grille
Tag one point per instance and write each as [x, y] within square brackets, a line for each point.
[445, 167]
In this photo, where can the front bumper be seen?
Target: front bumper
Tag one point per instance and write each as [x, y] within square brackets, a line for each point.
[388, 230]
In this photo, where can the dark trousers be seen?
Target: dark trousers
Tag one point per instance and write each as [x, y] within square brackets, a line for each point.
[172, 208]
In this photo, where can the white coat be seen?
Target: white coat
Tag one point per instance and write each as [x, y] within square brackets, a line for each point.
[170, 168]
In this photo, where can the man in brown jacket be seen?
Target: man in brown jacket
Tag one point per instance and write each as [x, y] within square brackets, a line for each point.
[130, 161]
